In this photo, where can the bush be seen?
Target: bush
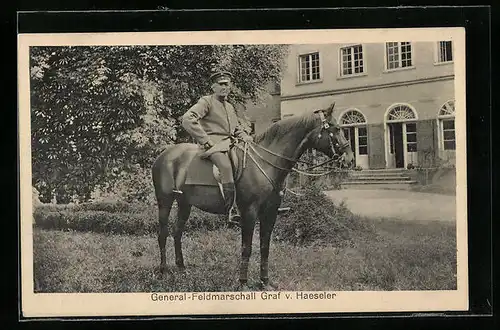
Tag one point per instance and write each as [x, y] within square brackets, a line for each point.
[35, 197]
[53, 207]
[331, 181]
[117, 218]
[314, 218]
[112, 207]
[130, 186]
[441, 180]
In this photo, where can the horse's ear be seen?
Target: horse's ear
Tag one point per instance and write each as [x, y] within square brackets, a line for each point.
[328, 112]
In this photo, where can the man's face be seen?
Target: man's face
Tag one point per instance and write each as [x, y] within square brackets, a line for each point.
[222, 88]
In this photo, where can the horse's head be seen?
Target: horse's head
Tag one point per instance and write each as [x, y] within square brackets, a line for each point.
[329, 139]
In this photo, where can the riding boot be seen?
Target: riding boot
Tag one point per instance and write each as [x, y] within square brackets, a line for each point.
[230, 207]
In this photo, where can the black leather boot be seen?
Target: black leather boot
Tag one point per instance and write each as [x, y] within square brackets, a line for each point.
[229, 203]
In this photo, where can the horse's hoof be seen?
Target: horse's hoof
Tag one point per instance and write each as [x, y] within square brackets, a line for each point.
[233, 225]
[243, 287]
[266, 286]
[163, 269]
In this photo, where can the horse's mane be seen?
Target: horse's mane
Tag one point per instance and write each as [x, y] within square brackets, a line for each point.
[286, 125]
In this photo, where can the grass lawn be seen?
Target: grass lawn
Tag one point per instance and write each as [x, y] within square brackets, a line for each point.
[396, 256]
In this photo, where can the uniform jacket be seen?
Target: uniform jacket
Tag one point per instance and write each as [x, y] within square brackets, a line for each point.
[212, 120]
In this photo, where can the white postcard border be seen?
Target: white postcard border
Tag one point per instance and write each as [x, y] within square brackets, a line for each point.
[141, 304]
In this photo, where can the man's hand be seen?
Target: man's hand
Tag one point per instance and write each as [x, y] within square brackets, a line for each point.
[247, 138]
[209, 144]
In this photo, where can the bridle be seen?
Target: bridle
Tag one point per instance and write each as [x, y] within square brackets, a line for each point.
[325, 125]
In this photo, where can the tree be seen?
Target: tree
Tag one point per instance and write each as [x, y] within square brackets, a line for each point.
[99, 111]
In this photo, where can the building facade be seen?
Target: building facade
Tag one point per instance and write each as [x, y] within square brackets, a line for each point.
[263, 113]
[394, 100]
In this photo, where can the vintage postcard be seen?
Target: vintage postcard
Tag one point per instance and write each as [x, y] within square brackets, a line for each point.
[243, 172]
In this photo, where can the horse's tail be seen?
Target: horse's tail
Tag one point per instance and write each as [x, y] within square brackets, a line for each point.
[169, 168]
[163, 173]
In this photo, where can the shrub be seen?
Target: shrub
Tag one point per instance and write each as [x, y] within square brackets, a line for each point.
[53, 207]
[314, 218]
[331, 181]
[112, 207]
[117, 218]
[131, 185]
[35, 197]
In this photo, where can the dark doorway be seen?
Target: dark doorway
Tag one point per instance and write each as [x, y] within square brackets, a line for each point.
[397, 145]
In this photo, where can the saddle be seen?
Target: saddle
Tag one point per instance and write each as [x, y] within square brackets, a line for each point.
[201, 170]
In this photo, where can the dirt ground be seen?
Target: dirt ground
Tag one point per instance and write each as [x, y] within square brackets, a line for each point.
[406, 205]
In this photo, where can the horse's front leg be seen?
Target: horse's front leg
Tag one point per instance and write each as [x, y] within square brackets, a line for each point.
[247, 229]
[267, 216]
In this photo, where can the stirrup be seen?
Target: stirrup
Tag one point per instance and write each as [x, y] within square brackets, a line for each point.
[234, 215]
[283, 210]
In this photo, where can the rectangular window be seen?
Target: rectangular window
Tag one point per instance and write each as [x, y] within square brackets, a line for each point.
[398, 54]
[362, 141]
[352, 60]
[445, 52]
[411, 137]
[449, 134]
[309, 67]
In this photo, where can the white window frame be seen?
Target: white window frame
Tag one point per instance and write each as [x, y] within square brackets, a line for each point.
[404, 122]
[441, 127]
[299, 68]
[400, 68]
[358, 136]
[437, 53]
[341, 61]
[440, 119]
[361, 158]
[408, 143]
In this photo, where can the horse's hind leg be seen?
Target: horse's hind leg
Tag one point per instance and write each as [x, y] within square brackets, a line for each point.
[164, 208]
[184, 210]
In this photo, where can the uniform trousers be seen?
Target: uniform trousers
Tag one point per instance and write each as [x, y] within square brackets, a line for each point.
[221, 160]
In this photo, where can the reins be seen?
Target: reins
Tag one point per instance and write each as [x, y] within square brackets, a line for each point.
[311, 166]
[251, 145]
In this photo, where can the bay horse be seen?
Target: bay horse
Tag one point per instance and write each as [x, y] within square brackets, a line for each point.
[258, 187]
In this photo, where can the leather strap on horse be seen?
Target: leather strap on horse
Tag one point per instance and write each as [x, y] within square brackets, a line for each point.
[245, 153]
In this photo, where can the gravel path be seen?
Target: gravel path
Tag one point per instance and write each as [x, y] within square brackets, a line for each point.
[407, 205]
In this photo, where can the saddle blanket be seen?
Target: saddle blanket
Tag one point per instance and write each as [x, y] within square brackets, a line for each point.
[201, 170]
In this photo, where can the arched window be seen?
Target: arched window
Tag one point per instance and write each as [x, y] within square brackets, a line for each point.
[352, 117]
[353, 123]
[401, 112]
[446, 118]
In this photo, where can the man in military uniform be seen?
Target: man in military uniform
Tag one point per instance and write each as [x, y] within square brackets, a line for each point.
[212, 121]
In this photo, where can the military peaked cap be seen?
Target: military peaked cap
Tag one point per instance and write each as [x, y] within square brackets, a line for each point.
[221, 76]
